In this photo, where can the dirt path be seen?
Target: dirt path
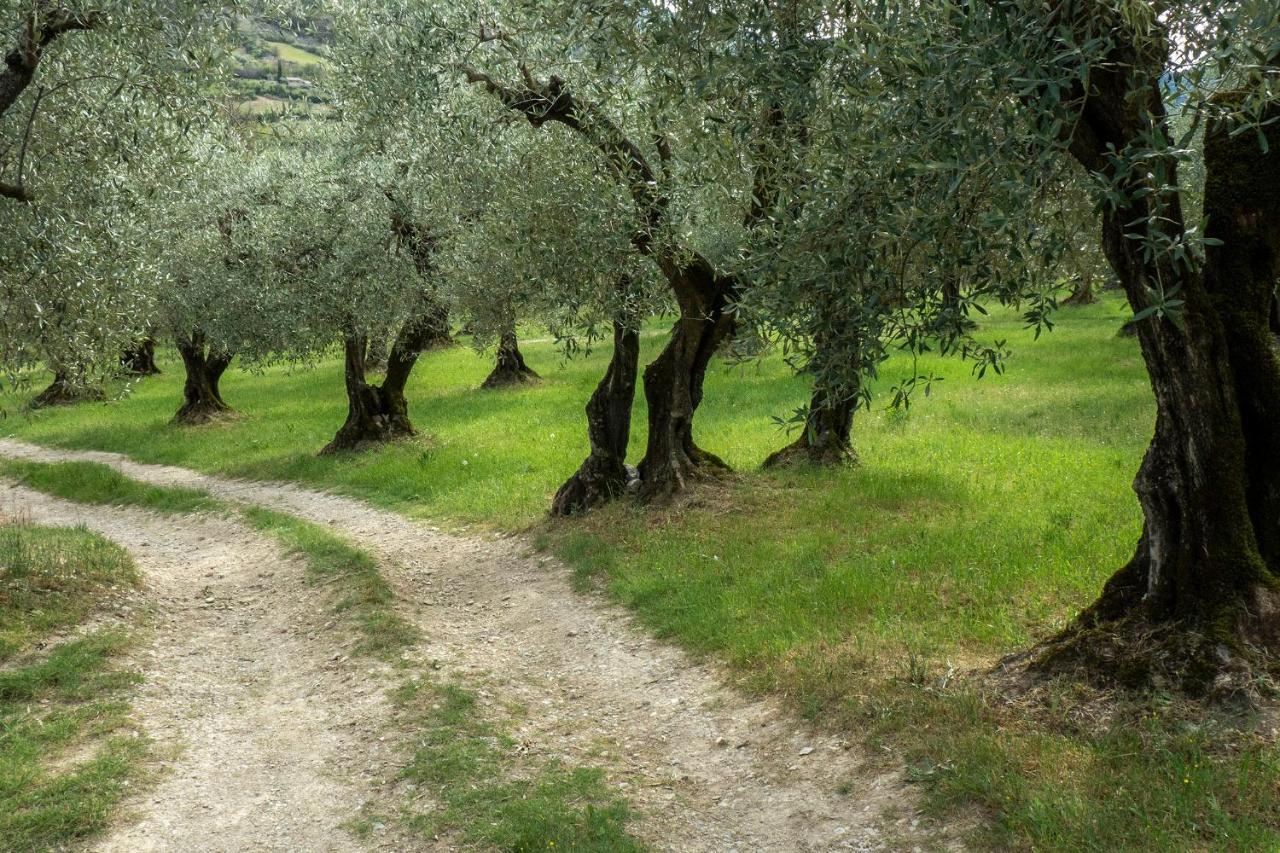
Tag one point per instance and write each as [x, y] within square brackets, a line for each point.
[706, 768]
[261, 733]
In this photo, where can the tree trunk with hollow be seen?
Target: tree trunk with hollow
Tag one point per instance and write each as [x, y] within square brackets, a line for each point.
[603, 476]
[1201, 595]
[509, 368]
[140, 360]
[202, 400]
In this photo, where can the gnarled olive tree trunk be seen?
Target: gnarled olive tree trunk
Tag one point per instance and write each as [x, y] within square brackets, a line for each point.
[673, 382]
[68, 388]
[509, 367]
[380, 413]
[826, 438]
[1202, 590]
[603, 475]
[204, 364]
[140, 360]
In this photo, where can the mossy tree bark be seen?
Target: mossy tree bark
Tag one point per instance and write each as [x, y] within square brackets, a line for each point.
[1203, 588]
[603, 475]
[509, 367]
[204, 364]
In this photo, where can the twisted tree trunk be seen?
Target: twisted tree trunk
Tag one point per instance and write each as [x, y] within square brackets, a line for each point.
[673, 382]
[141, 359]
[204, 365]
[509, 368]
[380, 413]
[1202, 591]
[603, 476]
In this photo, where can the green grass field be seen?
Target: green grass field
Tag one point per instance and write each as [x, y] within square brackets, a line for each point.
[68, 752]
[293, 53]
[979, 520]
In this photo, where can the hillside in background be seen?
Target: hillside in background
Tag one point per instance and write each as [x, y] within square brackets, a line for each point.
[281, 70]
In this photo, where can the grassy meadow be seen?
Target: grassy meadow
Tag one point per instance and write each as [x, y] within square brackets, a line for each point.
[978, 520]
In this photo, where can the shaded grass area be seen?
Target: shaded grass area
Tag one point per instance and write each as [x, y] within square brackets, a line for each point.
[67, 751]
[363, 593]
[979, 520]
[95, 483]
[1079, 771]
[462, 762]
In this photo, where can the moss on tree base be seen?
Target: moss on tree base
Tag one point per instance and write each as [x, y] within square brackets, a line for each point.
[1230, 656]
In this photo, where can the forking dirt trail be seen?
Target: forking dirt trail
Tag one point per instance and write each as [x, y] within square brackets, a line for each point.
[275, 739]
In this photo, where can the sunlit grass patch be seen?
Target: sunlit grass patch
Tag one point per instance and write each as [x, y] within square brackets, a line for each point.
[979, 521]
[466, 765]
[95, 483]
[52, 578]
[359, 586]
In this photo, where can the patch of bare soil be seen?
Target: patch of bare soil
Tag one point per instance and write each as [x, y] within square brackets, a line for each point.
[707, 768]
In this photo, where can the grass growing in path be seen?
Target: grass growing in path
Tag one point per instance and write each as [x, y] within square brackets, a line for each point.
[463, 763]
[95, 483]
[52, 578]
[362, 591]
[67, 702]
[978, 522]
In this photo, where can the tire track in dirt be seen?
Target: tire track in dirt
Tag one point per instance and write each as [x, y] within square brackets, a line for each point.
[266, 740]
[707, 768]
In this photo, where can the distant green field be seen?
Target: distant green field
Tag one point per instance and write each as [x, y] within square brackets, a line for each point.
[977, 521]
[293, 53]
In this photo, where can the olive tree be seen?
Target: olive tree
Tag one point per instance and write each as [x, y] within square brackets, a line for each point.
[96, 100]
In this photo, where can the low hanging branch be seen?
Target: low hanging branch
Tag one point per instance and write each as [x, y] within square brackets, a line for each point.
[41, 29]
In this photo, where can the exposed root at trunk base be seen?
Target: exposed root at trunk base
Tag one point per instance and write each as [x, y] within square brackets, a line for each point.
[369, 431]
[504, 377]
[510, 368]
[661, 483]
[1231, 658]
[827, 454]
[63, 392]
[202, 412]
[599, 481]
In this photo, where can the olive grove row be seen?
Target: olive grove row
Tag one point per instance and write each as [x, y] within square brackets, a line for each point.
[829, 178]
